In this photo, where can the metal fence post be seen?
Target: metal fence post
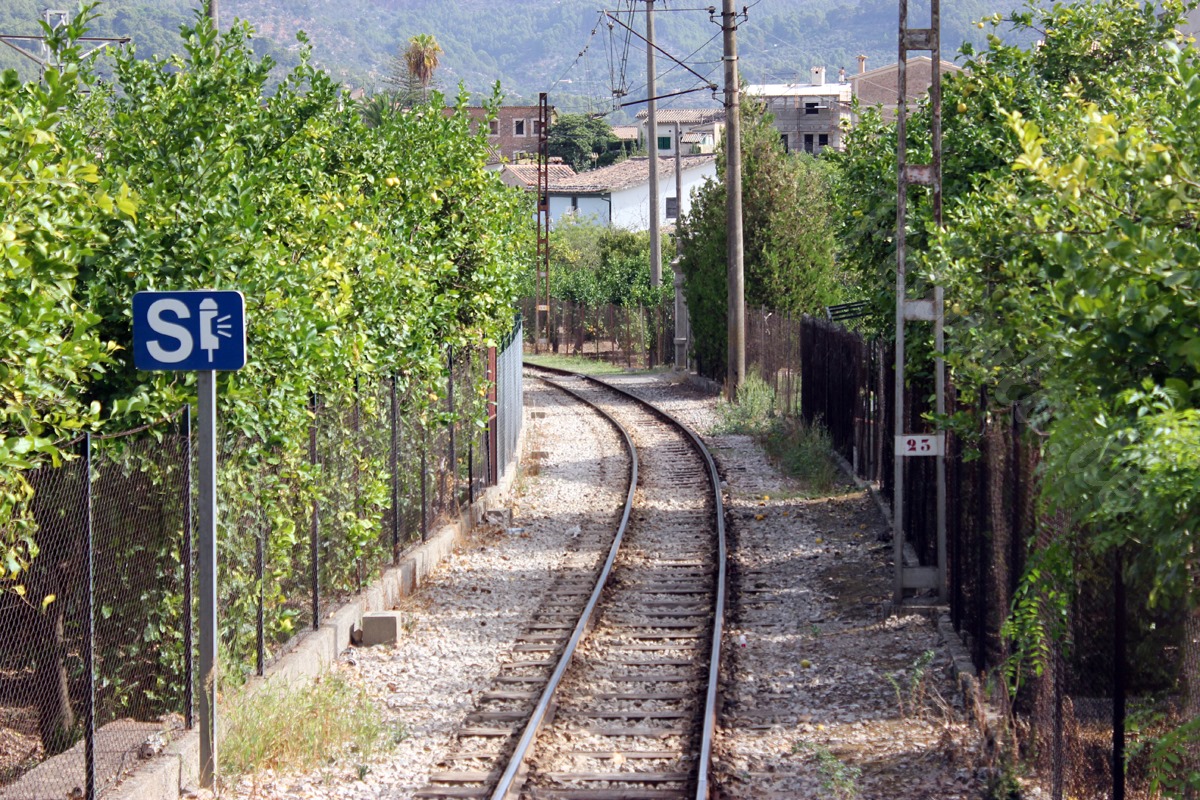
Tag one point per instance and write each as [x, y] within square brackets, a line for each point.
[395, 467]
[89, 626]
[314, 528]
[1118, 718]
[493, 427]
[424, 483]
[453, 444]
[260, 568]
[189, 660]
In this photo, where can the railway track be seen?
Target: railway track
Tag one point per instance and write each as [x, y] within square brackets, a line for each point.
[610, 694]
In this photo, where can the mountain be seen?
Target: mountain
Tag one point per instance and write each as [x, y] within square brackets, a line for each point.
[532, 45]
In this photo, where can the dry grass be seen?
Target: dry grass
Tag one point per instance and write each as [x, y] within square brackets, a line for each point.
[290, 728]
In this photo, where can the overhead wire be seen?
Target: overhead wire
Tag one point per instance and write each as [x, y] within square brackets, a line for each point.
[581, 53]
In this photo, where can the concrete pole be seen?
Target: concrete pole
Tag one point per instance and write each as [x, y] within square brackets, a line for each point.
[733, 184]
[206, 536]
[652, 146]
[214, 13]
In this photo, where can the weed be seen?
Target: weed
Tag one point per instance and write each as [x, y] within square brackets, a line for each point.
[837, 777]
[803, 451]
[751, 413]
[286, 728]
[912, 685]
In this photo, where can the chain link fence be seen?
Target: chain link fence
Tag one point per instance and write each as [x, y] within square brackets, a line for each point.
[1112, 685]
[96, 641]
[94, 638]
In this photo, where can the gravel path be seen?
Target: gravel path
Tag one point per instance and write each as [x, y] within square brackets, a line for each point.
[825, 697]
[463, 622]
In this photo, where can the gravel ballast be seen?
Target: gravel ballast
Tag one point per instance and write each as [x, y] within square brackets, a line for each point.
[825, 694]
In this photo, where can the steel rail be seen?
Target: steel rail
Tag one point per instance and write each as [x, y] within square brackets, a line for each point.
[714, 667]
[505, 785]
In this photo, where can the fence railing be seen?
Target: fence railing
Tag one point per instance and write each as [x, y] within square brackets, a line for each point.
[1114, 656]
[629, 336]
[96, 644]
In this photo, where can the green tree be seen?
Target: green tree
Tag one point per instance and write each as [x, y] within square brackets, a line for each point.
[1071, 268]
[411, 72]
[363, 253]
[583, 141]
[787, 212]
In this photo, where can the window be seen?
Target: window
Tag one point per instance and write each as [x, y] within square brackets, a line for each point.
[664, 143]
[823, 140]
[808, 142]
[812, 107]
[537, 127]
[494, 127]
[672, 208]
[783, 137]
[518, 127]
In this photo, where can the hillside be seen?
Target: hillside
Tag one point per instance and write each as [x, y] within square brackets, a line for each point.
[528, 45]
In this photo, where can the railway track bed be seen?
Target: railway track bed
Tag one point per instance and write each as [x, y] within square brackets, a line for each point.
[470, 657]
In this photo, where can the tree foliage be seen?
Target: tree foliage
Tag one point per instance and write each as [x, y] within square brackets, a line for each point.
[411, 72]
[583, 141]
[1071, 264]
[787, 213]
[363, 252]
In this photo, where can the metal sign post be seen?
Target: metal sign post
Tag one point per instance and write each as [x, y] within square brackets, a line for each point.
[205, 332]
[910, 445]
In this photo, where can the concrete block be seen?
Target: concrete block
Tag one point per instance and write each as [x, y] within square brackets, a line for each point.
[380, 627]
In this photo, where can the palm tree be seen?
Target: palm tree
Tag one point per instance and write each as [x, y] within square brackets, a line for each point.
[412, 71]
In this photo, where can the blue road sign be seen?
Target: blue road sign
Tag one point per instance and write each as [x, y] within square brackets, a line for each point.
[189, 331]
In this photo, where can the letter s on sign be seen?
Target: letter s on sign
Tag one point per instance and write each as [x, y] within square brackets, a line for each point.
[169, 329]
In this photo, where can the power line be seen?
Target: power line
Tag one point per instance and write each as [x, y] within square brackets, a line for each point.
[582, 52]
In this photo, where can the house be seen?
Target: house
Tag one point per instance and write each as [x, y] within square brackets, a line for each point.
[630, 136]
[513, 134]
[619, 195]
[525, 176]
[880, 87]
[808, 116]
[699, 128]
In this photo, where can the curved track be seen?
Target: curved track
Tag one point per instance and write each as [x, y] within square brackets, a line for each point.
[616, 698]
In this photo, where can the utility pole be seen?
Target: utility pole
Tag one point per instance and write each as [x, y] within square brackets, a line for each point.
[681, 314]
[543, 317]
[733, 220]
[652, 145]
[928, 309]
[214, 13]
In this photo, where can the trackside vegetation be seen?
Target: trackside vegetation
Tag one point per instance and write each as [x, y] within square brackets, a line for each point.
[364, 253]
[1071, 262]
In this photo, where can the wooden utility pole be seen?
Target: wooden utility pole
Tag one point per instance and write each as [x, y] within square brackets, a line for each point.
[652, 146]
[733, 220]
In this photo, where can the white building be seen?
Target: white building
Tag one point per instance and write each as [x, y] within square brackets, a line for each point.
[699, 128]
[619, 195]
